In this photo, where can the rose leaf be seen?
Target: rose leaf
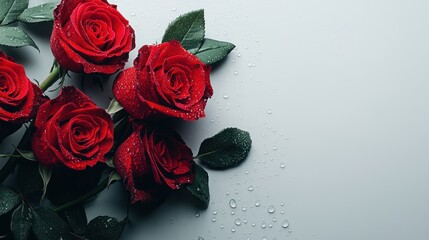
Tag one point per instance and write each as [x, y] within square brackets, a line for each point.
[226, 149]
[10, 10]
[105, 227]
[15, 37]
[188, 29]
[21, 222]
[48, 225]
[200, 187]
[213, 51]
[29, 155]
[45, 174]
[40, 13]
[28, 178]
[76, 217]
[9, 199]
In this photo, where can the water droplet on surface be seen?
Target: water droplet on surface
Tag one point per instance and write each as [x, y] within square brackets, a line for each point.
[269, 112]
[232, 203]
[214, 212]
[282, 165]
[285, 224]
[237, 221]
[171, 221]
[257, 204]
[271, 209]
[274, 148]
[263, 225]
[214, 219]
[225, 96]
[197, 214]
[233, 230]
[235, 73]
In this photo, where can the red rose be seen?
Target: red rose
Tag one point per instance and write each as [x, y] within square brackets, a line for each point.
[153, 160]
[19, 97]
[166, 80]
[72, 130]
[91, 36]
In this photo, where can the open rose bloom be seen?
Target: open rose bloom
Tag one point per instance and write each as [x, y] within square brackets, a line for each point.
[166, 81]
[91, 36]
[19, 97]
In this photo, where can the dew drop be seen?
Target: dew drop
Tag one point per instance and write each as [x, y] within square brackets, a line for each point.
[214, 212]
[257, 204]
[232, 203]
[271, 209]
[269, 112]
[282, 165]
[237, 221]
[225, 96]
[213, 219]
[197, 214]
[250, 188]
[285, 224]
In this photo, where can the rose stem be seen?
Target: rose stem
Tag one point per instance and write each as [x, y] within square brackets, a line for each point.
[103, 185]
[55, 74]
[52, 78]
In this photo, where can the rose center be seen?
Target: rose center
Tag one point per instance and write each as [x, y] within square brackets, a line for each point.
[3, 84]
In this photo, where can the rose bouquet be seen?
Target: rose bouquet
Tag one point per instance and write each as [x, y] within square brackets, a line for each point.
[70, 143]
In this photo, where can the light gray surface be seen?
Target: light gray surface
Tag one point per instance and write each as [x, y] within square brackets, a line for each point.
[346, 83]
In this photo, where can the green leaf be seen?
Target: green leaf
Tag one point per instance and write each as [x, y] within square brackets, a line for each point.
[188, 29]
[9, 199]
[40, 13]
[105, 228]
[28, 178]
[47, 225]
[21, 222]
[67, 184]
[10, 10]
[226, 149]
[45, 174]
[114, 107]
[213, 51]
[200, 187]
[113, 177]
[5, 155]
[76, 217]
[15, 37]
[29, 155]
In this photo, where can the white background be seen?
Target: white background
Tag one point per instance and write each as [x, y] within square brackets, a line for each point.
[346, 84]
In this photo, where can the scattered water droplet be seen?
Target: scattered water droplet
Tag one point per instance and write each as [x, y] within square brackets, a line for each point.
[250, 188]
[233, 230]
[271, 209]
[263, 225]
[285, 223]
[257, 204]
[214, 212]
[269, 112]
[237, 221]
[282, 165]
[232, 203]
[197, 214]
[213, 219]
[225, 96]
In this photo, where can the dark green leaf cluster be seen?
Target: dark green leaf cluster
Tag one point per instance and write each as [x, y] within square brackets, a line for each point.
[21, 221]
[13, 11]
[189, 30]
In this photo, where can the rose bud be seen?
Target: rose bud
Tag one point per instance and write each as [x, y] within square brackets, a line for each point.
[166, 81]
[152, 161]
[72, 130]
[91, 36]
[19, 97]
